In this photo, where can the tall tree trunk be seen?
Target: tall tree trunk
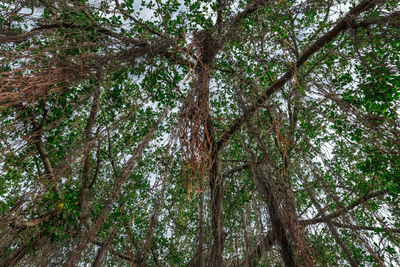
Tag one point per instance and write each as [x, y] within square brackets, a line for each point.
[216, 210]
[84, 193]
[208, 48]
[200, 261]
[216, 190]
[264, 186]
[288, 213]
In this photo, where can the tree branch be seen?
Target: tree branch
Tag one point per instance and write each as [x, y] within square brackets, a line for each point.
[342, 25]
[346, 209]
[366, 228]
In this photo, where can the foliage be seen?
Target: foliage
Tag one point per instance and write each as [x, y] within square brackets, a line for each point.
[201, 133]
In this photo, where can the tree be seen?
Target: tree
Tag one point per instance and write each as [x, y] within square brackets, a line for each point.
[227, 133]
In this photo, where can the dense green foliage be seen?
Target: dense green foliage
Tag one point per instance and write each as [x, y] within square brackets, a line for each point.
[199, 133]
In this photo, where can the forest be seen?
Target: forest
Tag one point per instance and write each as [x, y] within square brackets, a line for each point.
[200, 133]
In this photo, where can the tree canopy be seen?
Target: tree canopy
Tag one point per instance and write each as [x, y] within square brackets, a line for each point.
[199, 133]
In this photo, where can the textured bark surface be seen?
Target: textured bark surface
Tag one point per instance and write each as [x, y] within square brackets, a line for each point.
[200, 257]
[279, 227]
[84, 193]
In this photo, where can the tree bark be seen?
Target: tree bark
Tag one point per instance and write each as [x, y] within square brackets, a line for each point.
[84, 193]
[216, 190]
[279, 228]
[208, 48]
[200, 260]
[288, 205]
[216, 221]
